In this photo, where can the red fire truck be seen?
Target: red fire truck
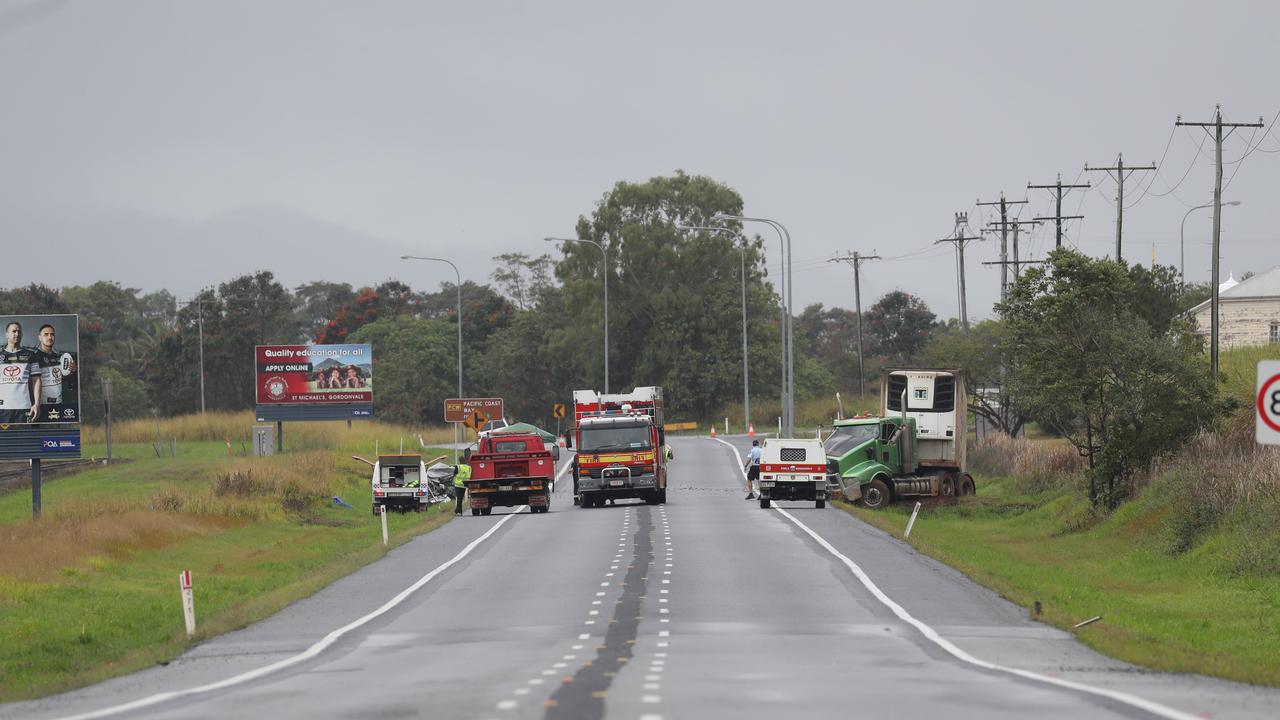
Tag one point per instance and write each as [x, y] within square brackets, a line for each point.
[621, 447]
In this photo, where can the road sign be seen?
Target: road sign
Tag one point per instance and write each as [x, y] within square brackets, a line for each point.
[1267, 419]
[457, 409]
[558, 410]
[476, 421]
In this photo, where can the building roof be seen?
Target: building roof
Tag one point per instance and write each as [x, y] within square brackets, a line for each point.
[1227, 284]
[1263, 285]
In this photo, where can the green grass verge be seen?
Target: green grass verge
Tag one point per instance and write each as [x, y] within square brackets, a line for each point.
[1189, 612]
[98, 596]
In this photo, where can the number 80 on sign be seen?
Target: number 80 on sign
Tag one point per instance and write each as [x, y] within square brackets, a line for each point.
[1267, 418]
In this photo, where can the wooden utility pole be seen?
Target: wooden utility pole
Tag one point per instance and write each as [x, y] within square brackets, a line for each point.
[961, 240]
[1121, 172]
[1217, 125]
[1015, 262]
[1059, 191]
[855, 260]
[1004, 241]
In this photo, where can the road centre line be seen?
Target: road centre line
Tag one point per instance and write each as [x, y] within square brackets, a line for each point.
[932, 635]
[310, 652]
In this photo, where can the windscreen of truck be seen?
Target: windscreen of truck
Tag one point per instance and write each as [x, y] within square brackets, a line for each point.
[849, 437]
[615, 438]
[510, 446]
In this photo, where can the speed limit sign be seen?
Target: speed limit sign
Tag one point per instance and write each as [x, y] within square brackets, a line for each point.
[1267, 420]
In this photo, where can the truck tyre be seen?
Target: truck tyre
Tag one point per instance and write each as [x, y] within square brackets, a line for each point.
[821, 504]
[947, 485]
[966, 485]
[764, 503]
[475, 511]
[486, 511]
[662, 496]
[585, 501]
[877, 496]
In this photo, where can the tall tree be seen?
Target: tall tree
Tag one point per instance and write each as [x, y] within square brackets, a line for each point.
[1087, 365]
[318, 303]
[674, 299]
[898, 326]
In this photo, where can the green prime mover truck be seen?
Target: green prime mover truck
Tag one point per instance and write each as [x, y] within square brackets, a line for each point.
[915, 448]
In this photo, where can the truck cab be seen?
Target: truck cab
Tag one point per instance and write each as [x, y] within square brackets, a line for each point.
[621, 447]
[915, 448]
[510, 467]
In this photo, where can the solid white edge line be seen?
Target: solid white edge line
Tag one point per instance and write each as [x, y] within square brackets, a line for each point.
[305, 655]
[1132, 700]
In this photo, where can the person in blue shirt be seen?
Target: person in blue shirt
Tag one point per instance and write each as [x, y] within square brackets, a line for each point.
[752, 466]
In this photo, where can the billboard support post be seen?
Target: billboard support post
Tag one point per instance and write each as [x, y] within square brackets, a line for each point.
[280, 436]
[35, 488]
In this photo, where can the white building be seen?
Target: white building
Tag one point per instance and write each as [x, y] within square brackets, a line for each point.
[1248, 311]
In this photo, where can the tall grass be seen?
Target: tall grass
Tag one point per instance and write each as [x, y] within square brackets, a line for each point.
[237, 428]
[1034, 466]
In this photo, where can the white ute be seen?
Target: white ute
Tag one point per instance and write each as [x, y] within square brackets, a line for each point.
[793, 469]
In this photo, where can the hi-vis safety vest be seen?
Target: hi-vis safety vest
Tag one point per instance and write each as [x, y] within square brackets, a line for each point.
[464, 473]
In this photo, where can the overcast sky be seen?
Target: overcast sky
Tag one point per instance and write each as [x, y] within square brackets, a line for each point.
[176, 144]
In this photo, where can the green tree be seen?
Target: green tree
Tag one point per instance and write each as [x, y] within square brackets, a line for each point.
[1087, 365]
[674, 298]
[319, 302]
[898, 327]
[119, 327]
[415, 365]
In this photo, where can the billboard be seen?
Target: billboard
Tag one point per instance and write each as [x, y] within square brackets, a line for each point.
[39, 371]
[314, 375]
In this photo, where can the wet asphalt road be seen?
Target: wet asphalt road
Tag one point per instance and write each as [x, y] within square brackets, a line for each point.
[705, 607]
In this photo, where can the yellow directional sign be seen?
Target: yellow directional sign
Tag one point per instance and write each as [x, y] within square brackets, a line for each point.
[475, 421]
[558, 410]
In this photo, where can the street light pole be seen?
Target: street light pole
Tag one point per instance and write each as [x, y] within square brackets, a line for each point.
[1182, 239]
[788, 344]
[458, 286]
[199, 303]
[746, 385]
[605, 268]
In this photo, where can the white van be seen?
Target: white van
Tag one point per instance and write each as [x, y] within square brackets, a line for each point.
[793, 469]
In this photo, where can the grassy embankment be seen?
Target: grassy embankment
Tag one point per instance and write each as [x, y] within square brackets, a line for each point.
[90, 591]
[1186, 574]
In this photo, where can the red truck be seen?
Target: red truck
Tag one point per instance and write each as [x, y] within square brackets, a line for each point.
[621, 447]
[510, 468]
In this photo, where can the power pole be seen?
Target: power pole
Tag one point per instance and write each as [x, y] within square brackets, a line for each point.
[1004, 240]
[1121, 172]
[1218, 137]
[961, 240]
[855, 260]
[1059, 191]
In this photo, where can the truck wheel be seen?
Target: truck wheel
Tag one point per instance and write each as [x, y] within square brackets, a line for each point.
[821, 504]
[662, 496]
[475, 512]
[876, 496]
[764, 503]
[375, 509]
[486, 511]
[584, 501]
[966, 485]
[947, 485]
